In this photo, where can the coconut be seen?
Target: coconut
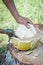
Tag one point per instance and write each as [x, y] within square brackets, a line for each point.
[27, 38]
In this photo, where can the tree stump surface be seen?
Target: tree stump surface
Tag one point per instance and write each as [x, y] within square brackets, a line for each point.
[34, 58]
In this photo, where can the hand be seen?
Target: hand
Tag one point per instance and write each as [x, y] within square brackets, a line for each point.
[24, 20]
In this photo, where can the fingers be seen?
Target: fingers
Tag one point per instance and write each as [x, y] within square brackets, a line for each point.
[27, 25]
[29, 21]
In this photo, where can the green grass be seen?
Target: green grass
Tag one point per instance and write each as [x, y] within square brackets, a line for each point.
[32, 9]
[3, 49]
[3, 43]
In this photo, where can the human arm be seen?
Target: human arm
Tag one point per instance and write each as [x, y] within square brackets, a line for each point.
[20, 19]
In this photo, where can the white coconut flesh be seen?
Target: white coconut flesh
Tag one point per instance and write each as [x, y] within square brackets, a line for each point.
[25, 33]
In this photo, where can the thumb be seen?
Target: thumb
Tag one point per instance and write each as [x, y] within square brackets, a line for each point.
[27, 25]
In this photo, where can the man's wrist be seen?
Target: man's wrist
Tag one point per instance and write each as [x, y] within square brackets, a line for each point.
[17, 17]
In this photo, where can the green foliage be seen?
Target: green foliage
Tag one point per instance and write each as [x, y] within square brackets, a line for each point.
[2, 49]
[3, 43]
[1, 39]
